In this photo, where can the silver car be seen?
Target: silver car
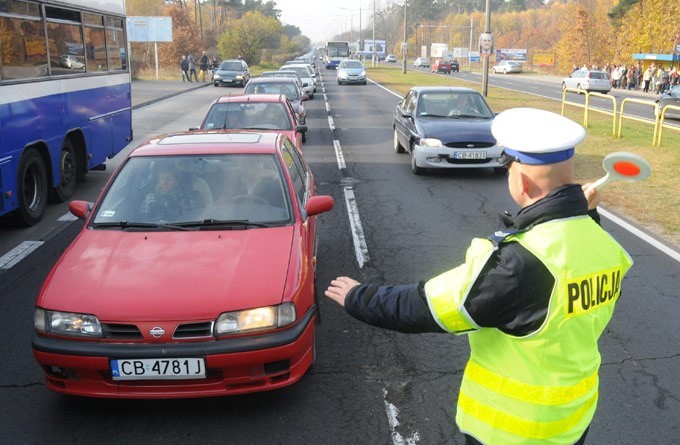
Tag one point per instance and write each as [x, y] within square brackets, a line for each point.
[304, 75]
[588, 80]
[351, 71]
[507, 66]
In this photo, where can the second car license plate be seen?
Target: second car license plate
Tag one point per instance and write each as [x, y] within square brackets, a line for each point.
[158, 368]
[469, 155]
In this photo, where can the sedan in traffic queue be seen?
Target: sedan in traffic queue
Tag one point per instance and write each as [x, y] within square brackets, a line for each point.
[261, 112]
[351, 71]
[170, 293]
[444, 128]
[280, 85]
[231, 72]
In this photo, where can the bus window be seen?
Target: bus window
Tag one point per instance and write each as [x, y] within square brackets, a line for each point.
[65, 41]
[24, 55]
[115, 44]
[95, 42]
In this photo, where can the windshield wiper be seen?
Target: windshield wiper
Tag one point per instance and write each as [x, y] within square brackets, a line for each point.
[222, 222]
[141, 225]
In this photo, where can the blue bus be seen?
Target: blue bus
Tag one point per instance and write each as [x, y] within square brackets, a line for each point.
[65, 104]
[335, 52]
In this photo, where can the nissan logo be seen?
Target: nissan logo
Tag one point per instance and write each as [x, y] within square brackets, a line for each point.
[157, 332]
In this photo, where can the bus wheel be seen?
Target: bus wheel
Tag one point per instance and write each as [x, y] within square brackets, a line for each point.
[67, 167]
[32, 189]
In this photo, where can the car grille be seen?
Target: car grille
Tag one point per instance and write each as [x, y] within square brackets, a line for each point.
[194, 330]
[121, 332]
[470, 144]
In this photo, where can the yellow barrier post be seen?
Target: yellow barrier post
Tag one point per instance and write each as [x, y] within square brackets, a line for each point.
[613, 113]
[576, 104]
[660, 120]
[646, 121]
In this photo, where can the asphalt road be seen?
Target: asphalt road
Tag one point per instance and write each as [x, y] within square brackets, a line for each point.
[370, 386]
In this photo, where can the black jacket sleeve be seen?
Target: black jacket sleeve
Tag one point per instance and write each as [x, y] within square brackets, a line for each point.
[399, 308]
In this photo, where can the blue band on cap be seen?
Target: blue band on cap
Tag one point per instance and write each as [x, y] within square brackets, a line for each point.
[542, 158]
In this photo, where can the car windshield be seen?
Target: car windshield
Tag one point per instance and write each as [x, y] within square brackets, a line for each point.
[301, 71]
[191, 192]
[288, 89]
[352, 64]
[248, 115]
[453, 105]
[230, 66]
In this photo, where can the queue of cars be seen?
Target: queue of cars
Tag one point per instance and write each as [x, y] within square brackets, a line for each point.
[194, 273]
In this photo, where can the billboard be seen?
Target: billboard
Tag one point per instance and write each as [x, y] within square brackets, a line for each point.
[511, 54]
[543, 58]
[149, 29]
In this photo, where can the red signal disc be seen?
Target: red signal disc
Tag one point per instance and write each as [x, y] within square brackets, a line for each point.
[626, 168]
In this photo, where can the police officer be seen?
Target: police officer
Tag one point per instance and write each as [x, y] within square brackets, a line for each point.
[533, 298]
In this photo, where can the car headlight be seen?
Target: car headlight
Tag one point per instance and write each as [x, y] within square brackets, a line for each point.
[239, 77]
[430, 142]
[363, 73]
[216, 76]
[258, 319]
[66, 323]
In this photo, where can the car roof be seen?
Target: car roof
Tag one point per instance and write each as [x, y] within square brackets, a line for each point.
[273, 80]
[229, 98]
[428, 89]
[210, 142]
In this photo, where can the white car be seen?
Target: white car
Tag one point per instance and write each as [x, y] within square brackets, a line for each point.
[421, 62]
[588, 80]
[302, 71]
[507, 66]
[391, 58]
[71, 62]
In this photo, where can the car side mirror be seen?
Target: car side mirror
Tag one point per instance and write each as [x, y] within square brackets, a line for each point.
[301, 129]
[407, 114]
[305, 97]
[305, 84]
[80, 209]
[318, 204]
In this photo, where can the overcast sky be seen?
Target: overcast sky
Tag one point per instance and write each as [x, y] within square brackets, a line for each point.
[321, 19]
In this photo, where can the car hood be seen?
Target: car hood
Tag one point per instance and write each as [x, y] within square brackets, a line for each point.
[457, 130]
[352, 71]
[131, 276]
[229, 72]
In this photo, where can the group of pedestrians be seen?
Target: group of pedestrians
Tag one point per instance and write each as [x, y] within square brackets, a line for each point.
[655, 78]
[188, 66]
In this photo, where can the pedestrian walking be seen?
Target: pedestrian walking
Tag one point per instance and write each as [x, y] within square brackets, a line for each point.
[203, 64]
[192, 67]
[184, 66]
[533, 298]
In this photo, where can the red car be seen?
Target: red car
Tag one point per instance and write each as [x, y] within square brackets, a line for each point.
[441, 66]
[193, 275]
[262, 112]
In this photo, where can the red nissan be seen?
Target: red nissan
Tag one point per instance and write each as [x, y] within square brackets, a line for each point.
[193, 275]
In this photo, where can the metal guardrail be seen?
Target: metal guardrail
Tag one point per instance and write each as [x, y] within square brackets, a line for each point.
[638, 119]
[658, 122]
[661, 116]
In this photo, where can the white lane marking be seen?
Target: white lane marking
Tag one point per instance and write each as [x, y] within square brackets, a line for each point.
[328, 107]
[392, 413]
[17, 254]
[338, 154]
[331, 123]
[360, 248]
[640, 234]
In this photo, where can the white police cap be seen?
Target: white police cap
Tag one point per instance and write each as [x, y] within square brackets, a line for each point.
[536, 137]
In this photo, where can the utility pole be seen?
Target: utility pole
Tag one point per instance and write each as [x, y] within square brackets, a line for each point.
[373, 64]
[485, 65]
[404, 44]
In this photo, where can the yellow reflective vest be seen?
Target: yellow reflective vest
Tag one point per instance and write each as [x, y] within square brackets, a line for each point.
[540, 388]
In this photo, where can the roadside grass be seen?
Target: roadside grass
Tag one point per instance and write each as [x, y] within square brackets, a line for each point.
[653, 204]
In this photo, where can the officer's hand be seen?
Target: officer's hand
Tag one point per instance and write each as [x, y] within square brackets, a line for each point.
[339, 288]
[592, 195]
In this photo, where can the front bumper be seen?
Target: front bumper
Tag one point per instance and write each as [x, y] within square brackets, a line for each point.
[233, 366]
[447, 157]
[353, 79]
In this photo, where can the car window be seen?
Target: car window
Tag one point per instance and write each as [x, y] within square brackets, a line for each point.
[298, 178]
[288, 89]
[453, 104]
[190, 188]
[231, 66]
[352, 64]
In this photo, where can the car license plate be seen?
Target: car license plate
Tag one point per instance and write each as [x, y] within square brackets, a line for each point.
[469, 155]
[158, 368]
